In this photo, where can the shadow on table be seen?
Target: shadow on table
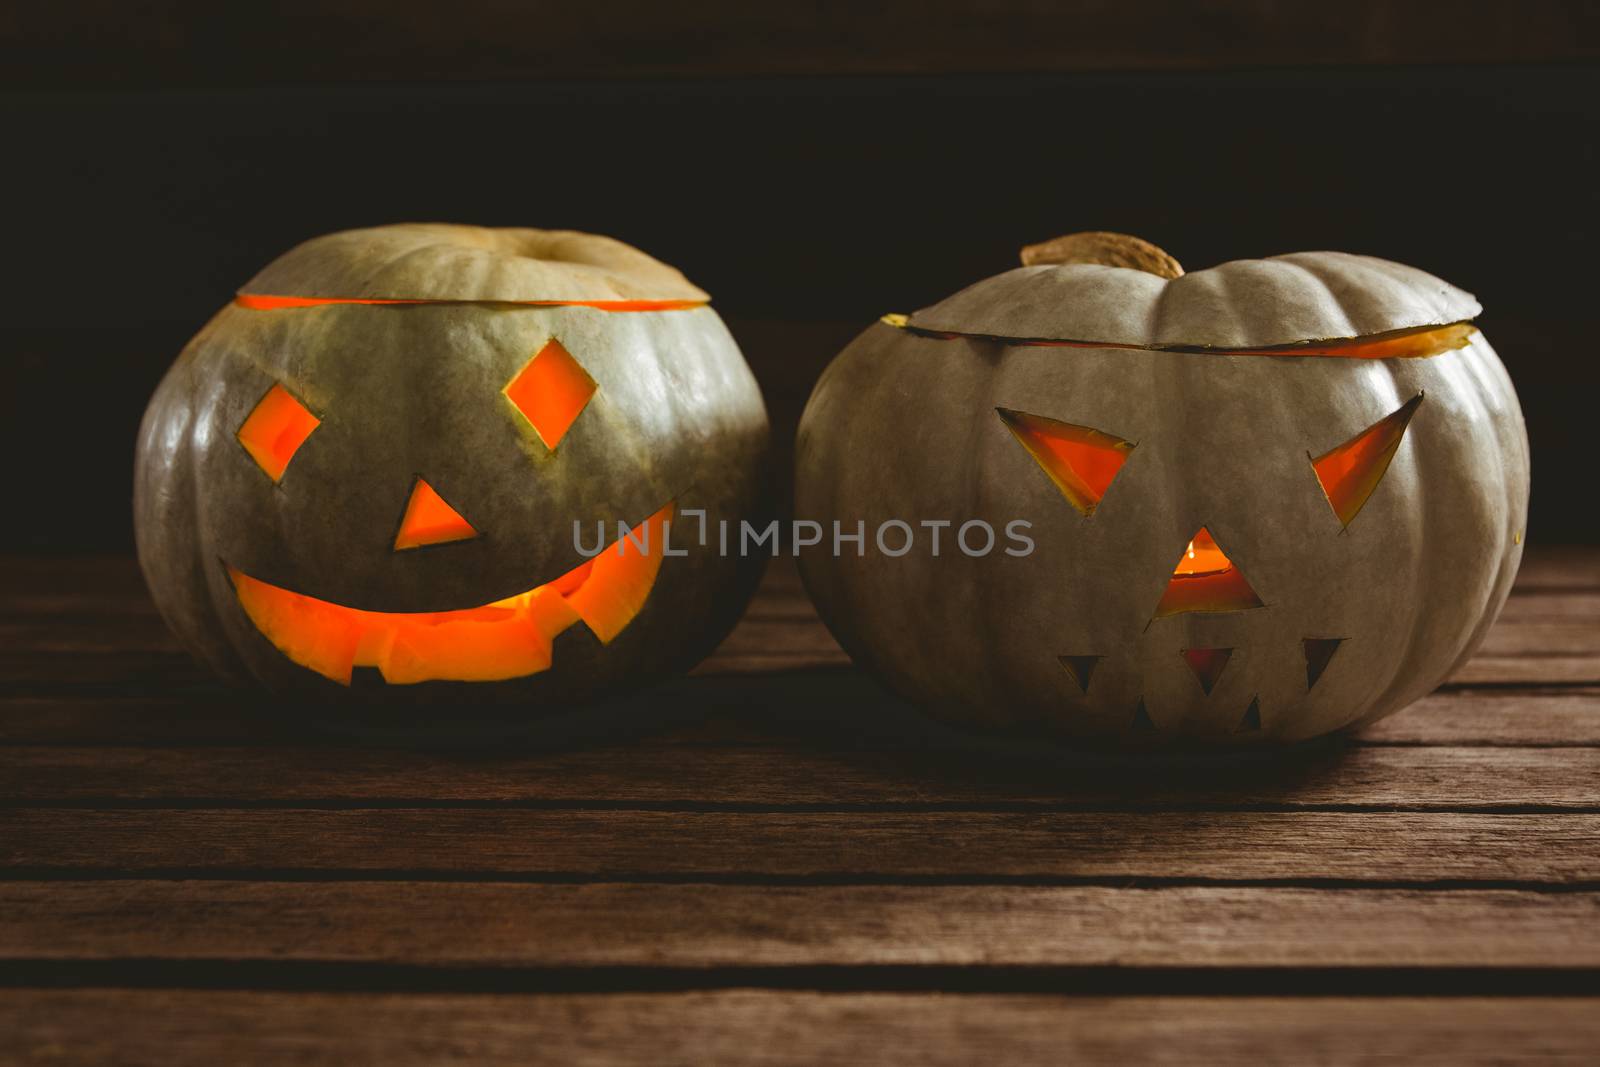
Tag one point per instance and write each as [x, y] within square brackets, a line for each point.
[841, 721]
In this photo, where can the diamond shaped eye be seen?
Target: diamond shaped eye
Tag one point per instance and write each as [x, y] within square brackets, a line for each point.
[551, 392]
[275, 430]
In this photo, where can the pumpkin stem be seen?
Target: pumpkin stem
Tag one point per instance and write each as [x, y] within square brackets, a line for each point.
[1107, 249]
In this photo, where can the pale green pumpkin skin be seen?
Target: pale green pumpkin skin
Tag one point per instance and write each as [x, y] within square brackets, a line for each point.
[408, 391]
[904, 426]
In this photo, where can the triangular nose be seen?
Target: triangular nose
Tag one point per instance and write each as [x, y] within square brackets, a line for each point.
[1205, 579]
[430, 521]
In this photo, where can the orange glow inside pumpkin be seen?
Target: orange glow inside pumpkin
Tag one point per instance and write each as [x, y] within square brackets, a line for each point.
[1419, 343]
[1350, 473]
[1202, 557]
[1411, 344]
[1207, 665]
[430, 521]
[1205, 579]
[276, 428]
[263, 302]
[508, 638]
[1082, 462]
[551, 391]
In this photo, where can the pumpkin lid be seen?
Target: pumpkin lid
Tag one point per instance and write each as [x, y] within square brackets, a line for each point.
[1113, 289]
[436, 261]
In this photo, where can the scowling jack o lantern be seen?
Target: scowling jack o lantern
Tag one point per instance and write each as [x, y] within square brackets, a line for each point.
[363, 477]
[1264, 501]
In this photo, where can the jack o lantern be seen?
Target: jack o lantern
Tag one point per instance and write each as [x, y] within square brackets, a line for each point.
[370, 475]
[1265, 501]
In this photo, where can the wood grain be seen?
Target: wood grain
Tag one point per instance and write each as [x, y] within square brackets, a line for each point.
[785, 647]
[789, 708]
[1494, 717]
[1529, 670]
[706, 926]
[1409, 848]
[181, 1027]
[759, 777]
[1559, 568]
[1530, 603]
[596, 894]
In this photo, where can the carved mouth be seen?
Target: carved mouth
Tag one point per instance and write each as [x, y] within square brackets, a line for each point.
[508, 638]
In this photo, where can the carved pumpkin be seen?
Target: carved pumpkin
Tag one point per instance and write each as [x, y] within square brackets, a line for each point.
[363, 475]
[1268, 500]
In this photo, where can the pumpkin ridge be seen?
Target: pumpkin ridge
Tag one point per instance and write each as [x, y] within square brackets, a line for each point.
[1246, 303]
[1230, 446]
[447, 262]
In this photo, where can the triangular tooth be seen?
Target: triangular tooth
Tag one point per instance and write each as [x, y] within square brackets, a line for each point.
[1207, 665]
[1141, 717]
[1319, 651]
[1079, 668]
[1252, 717]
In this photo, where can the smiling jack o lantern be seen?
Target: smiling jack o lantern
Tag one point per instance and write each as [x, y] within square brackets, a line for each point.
[1266, 501]
[363, 477]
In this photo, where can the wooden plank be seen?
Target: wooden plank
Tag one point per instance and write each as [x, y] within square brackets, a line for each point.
[61, 673]
[820, 710]
[762, 710]
[214, 718]
[102, 673]
[70, 663]
[32, 582]
[774, 777]
[181, 1027]
[701, 926]
[751, 846]
[759, 646]
[87, 632]
[1529, 670]
[1560, 568]
[1493, 717]
[1551, 605]
[1576, 638]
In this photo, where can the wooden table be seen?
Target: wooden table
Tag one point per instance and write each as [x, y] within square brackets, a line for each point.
[788, 868]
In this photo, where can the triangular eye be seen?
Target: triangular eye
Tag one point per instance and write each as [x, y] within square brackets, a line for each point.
[1081, 461]
[1350, 473]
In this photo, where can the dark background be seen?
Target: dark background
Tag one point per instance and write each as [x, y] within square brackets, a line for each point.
[811, 170]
